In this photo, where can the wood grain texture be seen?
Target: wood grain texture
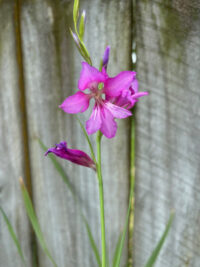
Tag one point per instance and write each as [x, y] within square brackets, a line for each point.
[52, 68]
[168, 124]
[12, 150]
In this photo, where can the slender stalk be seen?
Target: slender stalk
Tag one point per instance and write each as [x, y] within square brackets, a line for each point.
[101, 199]
[132, 196]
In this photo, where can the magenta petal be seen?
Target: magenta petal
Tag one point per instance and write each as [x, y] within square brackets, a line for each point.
[88, 76]
[94, 122]
[134, 86]
[108, 126]
[78, 102]
[117, 111]
[114, 86]
[76, 156]
[140, 94]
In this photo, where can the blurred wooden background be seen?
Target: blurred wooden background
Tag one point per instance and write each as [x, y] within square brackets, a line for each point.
[40, 67]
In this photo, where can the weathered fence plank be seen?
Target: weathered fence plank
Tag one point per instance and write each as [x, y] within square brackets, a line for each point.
[52, 68]
[168, 145]
[167, 167]
[12, 150]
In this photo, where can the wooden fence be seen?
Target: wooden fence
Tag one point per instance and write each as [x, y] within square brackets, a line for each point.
[39, 68]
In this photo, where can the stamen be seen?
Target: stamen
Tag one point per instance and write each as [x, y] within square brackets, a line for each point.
[100, 86]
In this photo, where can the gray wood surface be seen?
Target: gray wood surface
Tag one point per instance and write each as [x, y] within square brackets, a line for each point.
[12, 150]
[52, 67]
[34, 83]
[168, 124]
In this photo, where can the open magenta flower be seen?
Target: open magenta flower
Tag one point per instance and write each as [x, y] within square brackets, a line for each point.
[99, 85]
[76, 156]
[108, 93]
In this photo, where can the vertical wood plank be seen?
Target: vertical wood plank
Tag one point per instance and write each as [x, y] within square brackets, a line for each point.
[12, 163]
[168, 144]
[52, 68]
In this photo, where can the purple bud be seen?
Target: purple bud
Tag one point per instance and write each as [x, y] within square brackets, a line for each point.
[106, 57]
[76, 156]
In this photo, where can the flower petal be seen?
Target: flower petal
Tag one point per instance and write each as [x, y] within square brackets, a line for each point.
[59, 150]
[108, 126]
[140, 94]
[117, 111]
[123, 102]
[94, 122]
[76, 156]
[89, 75]
[134, 86]
[78, 102]
[114, 86]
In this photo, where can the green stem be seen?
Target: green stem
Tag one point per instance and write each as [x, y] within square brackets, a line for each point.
[132, 196]
[101, 199]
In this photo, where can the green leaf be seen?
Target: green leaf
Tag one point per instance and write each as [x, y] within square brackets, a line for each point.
[82, 25]
[13, 235]
[75, 12]
[92, 242]
[118, 252]
[155, 253]
[34, 221]
[107, 257]
[88, 140]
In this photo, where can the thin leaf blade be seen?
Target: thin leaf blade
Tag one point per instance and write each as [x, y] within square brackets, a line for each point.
[92, 242]
[151, 261]
[13, 235]
[82, 25]
[121, 245]
[75, 12]
[34, 221]
[116, 250]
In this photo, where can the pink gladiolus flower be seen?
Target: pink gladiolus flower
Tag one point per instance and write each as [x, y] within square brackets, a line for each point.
[76, 156]
[104, 112]
[113, 97]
